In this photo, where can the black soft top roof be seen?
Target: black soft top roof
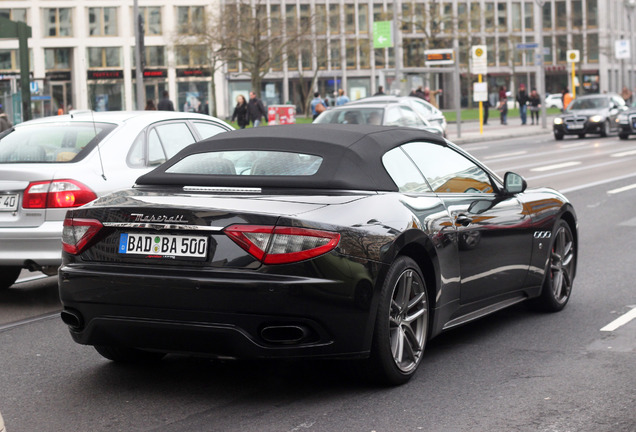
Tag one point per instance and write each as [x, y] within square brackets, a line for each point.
[352, 156]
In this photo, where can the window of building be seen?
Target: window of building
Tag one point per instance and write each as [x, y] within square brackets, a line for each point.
[351, 54]
[191, 55]
[462, 17]
[363, 18]
[152, 20]
[502, 43]
[528, 15]
[334, 48]
[547, 44]
[305, 17]
[529, 54]
[275, 20]
[19, 15]
[420, 17]
[516, 17]
[155, 56]
[489, 16]
[502, 17]
[365, 54]
[577, 43]
[334, 18]
[322, 54]
[102, 21]
[413, 52]
[490, 51]
[190, 19]
[447, 17]
[292, 59]
[57, 58]
[321, 19]
[547, 16]
[9, 59]
[592, 13]
[407, 18]
[561, 15]
[464, 49]
[290, 18]
[305, 55]
[104, 57]
[475, 17]
[592, 47]
[58, 22]
[350, 18]
[379, 57]
[561, 48]
[577, 14]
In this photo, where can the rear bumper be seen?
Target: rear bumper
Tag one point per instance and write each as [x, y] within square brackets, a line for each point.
[228, 314]
[42, 245]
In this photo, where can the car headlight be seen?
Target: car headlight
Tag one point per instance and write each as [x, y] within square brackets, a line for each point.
[558, 121]
[596, 119]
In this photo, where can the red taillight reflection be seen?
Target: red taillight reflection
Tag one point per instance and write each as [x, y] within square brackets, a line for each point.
[57, 194]
[282, 245]
[77, 233]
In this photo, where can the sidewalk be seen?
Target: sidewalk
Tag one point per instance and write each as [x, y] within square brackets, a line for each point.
[494, 130]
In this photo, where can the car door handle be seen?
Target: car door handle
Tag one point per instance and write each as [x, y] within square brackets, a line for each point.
[463, 220]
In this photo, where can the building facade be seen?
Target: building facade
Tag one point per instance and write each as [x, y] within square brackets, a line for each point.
[82, 53]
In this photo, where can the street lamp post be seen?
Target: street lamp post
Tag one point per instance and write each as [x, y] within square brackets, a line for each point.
[630, 5]
[540, 69]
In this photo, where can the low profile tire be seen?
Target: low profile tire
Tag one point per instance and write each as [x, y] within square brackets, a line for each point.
[557, 285]
[623, 136]
[8, 276]
[401, 326]
[606, 130]
[128, 355]
[558, 136]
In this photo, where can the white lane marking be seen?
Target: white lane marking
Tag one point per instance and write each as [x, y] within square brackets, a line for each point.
[620, 321]
[503, 155]
[567, 146]
[623, 154]
[556, 166]
[483, 147]
[28, 321]
[623, 189]
[594, 184]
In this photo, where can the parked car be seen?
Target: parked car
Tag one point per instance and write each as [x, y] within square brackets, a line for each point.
[331, 240]
[596, 114]
[386, 114]
[554, 100]
[424, 110]
[52, 164]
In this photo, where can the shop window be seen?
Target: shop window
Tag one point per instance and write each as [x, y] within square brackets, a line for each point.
[190, 19]
[58, 22]
[192, 95]
[102, 21]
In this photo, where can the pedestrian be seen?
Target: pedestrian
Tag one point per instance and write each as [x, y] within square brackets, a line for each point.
[627, 95]
[165, 104]
[255, 110]
[380, 91]
[535, 105]
[5, 124]
[432, 97]
[240, 112]
[522, 99]
[419, 92]
[318, 105]
[486, 106]
[150, 105]
[342, 98]
[503, 105]
[566, 97]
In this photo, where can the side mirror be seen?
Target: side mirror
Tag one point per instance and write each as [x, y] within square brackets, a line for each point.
[514, 183]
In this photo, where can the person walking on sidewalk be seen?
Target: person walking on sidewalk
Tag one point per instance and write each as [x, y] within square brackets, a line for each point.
[503, 105]
[535, 105]
[522, 98]
[255, 110]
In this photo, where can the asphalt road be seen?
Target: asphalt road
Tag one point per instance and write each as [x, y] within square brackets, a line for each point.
[517, 370]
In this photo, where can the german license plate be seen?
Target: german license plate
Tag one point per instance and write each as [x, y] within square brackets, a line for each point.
[575, 126]
[8, 202]
[163, 245]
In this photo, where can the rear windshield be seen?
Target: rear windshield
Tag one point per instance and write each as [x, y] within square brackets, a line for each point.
[51, 143]
[589, 103]
[248, 162]
[353, 115]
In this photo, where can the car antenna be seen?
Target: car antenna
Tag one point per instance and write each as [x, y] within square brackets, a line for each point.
[99, 152]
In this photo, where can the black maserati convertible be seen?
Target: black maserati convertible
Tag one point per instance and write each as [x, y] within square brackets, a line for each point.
[321, 241]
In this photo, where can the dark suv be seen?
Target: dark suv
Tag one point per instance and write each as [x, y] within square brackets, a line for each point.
[595, 114]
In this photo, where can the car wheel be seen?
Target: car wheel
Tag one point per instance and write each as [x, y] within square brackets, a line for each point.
[623, 136]
[558, 136]
[605, 131]
[401, 326]
[128, 355]
[557, 285]
[8, 275]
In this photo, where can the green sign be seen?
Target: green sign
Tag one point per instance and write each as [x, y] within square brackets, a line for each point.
[383, 34]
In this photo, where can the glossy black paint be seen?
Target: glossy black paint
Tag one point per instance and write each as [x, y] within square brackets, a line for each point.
[474, 251]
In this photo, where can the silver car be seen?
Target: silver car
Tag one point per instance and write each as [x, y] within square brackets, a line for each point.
[424, 110]
[52, 164]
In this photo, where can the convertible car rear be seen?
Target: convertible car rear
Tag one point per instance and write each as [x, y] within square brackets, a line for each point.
[338, 241]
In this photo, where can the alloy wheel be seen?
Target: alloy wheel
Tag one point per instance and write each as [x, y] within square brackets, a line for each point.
[562, 264]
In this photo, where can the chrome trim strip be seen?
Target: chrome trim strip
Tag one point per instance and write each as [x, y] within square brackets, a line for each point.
[221, 189]
[160, 226]
[483, 312]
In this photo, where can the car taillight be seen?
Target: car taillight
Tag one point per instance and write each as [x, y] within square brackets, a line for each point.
[57, 194]
[77, 233]
[282, 245]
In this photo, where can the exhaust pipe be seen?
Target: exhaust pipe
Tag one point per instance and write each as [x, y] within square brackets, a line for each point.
[285, 334]
[73, 319]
